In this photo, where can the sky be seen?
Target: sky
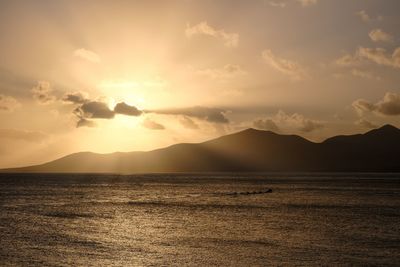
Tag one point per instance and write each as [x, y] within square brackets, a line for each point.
[107, 76]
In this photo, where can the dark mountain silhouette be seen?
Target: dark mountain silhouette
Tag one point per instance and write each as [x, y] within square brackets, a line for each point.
[247, 151]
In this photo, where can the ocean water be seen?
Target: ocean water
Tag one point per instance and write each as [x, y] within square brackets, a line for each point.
[199, 220]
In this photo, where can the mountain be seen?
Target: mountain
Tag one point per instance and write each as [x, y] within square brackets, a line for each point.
[246, 151]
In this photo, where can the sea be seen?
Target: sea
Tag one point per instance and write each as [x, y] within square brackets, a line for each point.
[188, 219]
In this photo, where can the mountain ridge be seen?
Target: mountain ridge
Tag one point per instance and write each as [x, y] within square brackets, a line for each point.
[250, 150]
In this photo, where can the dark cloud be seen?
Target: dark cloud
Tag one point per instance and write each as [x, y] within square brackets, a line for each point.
[188, 123]
[214, 115]
[150, 124]
[389, 105]
[125, 109]
[85, 123]
[94, 110]
[75, 98]
[90, 109]
[266, 124]
[29, 136]
[42, 92]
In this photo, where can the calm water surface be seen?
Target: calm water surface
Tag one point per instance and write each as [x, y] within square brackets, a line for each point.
[197, 220]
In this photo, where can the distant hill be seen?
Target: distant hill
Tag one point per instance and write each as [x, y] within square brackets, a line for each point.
[247, 151]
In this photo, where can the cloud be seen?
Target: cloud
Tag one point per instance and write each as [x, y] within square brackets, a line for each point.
[230, 39]
[380, 56]
[304, 124]
[87, 110]
[42, 92]
[227, 72]
[82, 122]
[123, 108]
[29, 136]
[361, 106]
[94, 110]
[364, 74]
[389, 105]
[91, 109]
[87, 55]
[267, 124]
[150, 124]
[188, 123]
[378, 35]
[297, 121]
[214, 115]
[75, 98]
[277, 4]
[376, 55]
[285, 66]
[307, 2]
[8, 103]
[289, 121]
[348, 60]
[365, 124]
[365, 17]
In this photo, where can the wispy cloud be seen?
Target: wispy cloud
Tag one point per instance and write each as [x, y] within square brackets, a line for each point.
[348, 60]
[365, 124]
[364, 74]
[188, 123]
[378, 35]
[364, 16]
[42, 92]
[87, 55]
[203, 28]
[214, 115]
[152, 125]
[227, 72]
[307, 2]
[380, 56]
[29, 136]
[278, 4]
[8, 103]
[288, 67]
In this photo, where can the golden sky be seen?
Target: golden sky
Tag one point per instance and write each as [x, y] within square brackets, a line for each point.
[108, 76]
